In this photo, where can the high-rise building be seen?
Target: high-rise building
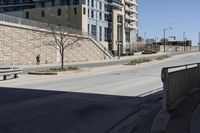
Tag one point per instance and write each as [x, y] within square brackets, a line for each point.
[111, 22]
[15, 6]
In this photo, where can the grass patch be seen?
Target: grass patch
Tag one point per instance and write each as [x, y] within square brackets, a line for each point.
[72, 68]
[138, 61]
[58, 69]
[148, 52]
[163, 57]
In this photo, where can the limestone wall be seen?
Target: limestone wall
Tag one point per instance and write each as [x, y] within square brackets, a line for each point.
[19, 45]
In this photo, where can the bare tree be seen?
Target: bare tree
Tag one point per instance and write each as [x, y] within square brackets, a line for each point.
[63, 36]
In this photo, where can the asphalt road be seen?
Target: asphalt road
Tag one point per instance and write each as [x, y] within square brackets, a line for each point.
[41, 111]
[134, 82]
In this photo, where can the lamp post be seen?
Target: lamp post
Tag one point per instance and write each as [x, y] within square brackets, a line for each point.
[199, 41]
[184, 43]
[118, 49]
[145, 37]
[169, 28]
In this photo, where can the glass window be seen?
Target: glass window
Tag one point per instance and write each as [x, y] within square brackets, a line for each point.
[42, 4]
[88, 28]
[84, 11]
[106, 17]
[75, 12]
[100, 33]
[92, 14]
[92, 3]
[94, 30]
[100, 6]
[27, 14]
[59, 12]
[43, 13]
[100, 16]
[88, 12]
[53, 3]
[106, 34]
[75, 2]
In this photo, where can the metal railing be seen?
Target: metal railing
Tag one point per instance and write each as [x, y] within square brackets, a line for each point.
[21, 21]
[178, 82]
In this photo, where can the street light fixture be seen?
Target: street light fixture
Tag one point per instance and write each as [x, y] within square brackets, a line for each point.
[168, 28]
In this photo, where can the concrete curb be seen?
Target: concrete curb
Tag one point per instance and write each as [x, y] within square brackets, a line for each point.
[43, 73]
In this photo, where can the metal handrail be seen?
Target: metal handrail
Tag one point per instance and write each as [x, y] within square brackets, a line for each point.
[181, 66]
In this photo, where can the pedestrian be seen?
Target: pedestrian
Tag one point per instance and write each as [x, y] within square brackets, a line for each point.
[38, 59]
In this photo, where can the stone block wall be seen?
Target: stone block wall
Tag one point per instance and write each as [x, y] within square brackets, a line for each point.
[19, 45]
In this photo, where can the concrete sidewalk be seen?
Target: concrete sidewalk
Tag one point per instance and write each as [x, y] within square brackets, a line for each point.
[100, 63]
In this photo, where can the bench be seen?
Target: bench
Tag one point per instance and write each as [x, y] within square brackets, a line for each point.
[9, 71]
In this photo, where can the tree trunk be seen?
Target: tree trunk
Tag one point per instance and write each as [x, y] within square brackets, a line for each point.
[62, 59]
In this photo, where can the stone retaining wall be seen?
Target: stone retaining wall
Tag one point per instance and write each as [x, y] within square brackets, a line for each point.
[19, 45]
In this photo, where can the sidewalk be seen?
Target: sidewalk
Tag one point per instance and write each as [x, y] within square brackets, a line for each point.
[100, 63]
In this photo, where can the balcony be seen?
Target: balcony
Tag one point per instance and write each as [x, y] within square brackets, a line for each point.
[131, 9]
[134, 2]
[130, 25]
[131, 17]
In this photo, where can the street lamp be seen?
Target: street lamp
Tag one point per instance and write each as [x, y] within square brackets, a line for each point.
[199, 41]
[184, 40]
[169, 28]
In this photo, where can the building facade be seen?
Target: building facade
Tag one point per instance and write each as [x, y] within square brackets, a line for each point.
[111, 22]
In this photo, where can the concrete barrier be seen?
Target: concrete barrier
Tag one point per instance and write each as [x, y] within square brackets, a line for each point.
[178, 81]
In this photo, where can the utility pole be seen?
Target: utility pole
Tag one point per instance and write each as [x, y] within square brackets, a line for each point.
[156, 43]
[164, 39]
[169, 28]
[199, 41]
[145, 37]
[184, 40]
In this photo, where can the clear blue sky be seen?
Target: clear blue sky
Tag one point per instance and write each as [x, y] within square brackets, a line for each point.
[181, 15]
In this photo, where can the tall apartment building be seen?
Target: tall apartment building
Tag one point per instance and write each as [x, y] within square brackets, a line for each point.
[14, 7]
[111, 22]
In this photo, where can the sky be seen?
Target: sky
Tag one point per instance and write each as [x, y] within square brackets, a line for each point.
[181, 15]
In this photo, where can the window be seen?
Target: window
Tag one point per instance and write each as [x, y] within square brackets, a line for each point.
[100, 16]
[127, 36]
[53, 3]
[75, 12]
[92, 3]
[100, 33]
[106, 17]
[88, 2]
[75, 2]
[88, 12]
[106, 7]
[42, 4]
[94, 30]
[84, 11]
[43, 13]
[88, 28]
[106, 34]
[59, 12]
[100, 6]
[92, 14]
[27, 14]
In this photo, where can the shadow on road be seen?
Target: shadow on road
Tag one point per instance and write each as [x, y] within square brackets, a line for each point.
[39, 111]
